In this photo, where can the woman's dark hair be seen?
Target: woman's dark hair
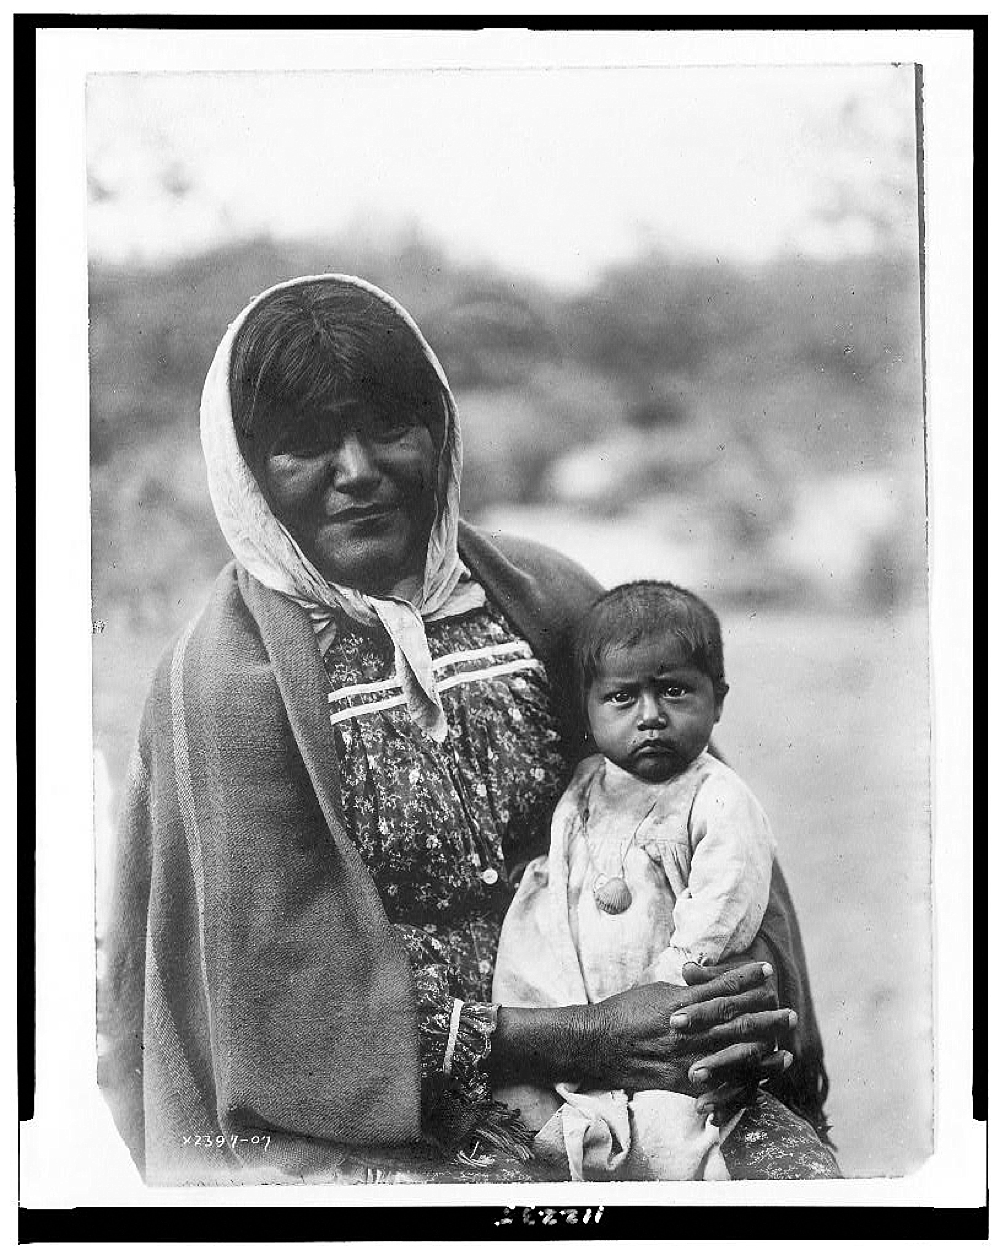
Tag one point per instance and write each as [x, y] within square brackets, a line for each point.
[315, 343]
[631, 613]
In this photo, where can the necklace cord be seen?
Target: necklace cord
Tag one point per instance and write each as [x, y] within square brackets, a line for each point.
[622, 853]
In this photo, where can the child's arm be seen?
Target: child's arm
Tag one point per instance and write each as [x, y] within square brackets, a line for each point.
[721, 910]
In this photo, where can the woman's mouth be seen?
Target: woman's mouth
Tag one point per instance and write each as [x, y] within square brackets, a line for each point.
[362, 514]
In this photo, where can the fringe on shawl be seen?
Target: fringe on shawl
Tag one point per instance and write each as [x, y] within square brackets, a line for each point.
[461, 1116]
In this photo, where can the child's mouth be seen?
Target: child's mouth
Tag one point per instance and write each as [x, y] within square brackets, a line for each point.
[658, 749]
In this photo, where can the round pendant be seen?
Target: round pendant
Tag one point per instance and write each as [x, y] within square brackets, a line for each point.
[490, 876]
[613, 896]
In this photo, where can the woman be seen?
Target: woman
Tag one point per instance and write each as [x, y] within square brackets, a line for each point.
[342, 767]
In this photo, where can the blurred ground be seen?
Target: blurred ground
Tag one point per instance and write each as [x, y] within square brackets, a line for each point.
[847, 791]
[756, 436]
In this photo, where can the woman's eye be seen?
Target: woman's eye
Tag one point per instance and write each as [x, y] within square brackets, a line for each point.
[305, 443]
[306, 448]
[392, 426]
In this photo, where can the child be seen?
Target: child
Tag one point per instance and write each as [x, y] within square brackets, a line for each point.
[659, 855]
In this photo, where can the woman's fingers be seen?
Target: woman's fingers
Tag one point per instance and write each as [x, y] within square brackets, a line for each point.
[727, 980]
[704, 1015]
[738, 1062]
[767, 1027]
[721, 1098]
[742, 1089]
[774, 1064]
[721, 1102]
[651, 1035]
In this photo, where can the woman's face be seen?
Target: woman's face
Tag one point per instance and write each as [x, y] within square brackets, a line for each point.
[354, 484]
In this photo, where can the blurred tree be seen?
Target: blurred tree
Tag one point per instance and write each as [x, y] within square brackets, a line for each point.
[664, 408]
[655, 314]
[667, 376]
[866, 176]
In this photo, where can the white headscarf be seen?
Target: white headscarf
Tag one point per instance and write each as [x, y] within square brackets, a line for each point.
[266, 548]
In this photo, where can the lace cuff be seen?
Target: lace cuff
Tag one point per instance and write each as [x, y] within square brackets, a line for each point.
[459, 1112]
[455, 1040]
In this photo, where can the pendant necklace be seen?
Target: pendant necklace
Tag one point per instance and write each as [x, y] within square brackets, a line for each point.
[611, 894]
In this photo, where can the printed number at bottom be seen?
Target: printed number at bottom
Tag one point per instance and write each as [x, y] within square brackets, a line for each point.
[550, 1216]
[222, 1140]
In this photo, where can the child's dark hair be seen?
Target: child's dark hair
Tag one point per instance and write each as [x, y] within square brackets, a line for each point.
[306, 346]
[631, 613]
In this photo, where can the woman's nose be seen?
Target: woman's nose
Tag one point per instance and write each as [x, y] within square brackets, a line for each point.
[353, 462]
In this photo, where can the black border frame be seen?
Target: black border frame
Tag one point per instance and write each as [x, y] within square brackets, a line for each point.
[445, 1223]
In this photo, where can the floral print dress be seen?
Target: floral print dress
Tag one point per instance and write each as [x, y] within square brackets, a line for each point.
[443, 828]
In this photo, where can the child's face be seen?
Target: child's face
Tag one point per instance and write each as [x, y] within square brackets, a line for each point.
[650, 710]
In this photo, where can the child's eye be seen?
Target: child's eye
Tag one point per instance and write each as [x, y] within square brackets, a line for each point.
[675, 691]
[619, 697]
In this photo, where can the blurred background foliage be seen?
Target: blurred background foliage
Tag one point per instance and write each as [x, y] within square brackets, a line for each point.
[767, 417]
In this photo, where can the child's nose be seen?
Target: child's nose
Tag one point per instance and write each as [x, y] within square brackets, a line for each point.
[651, 713]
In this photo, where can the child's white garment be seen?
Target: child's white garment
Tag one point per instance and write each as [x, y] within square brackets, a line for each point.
[695, 853]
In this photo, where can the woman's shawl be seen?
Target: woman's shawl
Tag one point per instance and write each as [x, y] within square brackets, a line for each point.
[264, 546]
[258, 1011]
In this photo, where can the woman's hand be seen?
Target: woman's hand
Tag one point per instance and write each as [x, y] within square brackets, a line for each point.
[719, 1030]
[731, 1076]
